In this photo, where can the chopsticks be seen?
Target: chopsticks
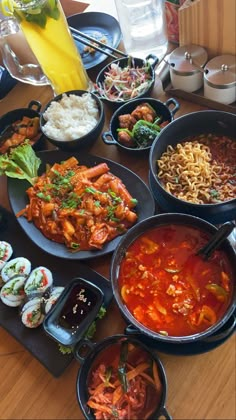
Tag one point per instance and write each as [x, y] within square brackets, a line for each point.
[82, 37]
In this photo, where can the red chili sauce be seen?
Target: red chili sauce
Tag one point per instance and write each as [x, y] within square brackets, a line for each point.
[168, 288]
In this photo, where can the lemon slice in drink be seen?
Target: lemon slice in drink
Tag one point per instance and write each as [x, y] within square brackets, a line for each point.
[6, 7]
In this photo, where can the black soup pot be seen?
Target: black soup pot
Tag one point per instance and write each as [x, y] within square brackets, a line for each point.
[166, 110]
[196, 123]
[167, 219]
[32, 111]
[88, 361]
[125, 62]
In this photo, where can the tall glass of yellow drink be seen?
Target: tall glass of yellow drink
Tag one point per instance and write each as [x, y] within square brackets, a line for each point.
[46, 30]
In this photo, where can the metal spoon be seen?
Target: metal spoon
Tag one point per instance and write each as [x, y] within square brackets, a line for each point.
[222, 233]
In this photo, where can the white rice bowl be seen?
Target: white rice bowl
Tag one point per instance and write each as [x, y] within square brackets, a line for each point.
[71, 117]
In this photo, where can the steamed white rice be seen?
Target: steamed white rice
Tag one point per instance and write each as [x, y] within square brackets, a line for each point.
[70, 118]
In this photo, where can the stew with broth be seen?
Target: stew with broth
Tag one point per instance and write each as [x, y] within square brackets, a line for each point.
[168, 288]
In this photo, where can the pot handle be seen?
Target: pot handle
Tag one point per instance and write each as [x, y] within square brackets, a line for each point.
[87, 344]
[224, 331]
[172, 101]
[152, 59]
[107, 138]
[164, 413]
[131, 330]
[37, 104]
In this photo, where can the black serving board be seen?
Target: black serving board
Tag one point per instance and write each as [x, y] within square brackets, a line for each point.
[41, 346]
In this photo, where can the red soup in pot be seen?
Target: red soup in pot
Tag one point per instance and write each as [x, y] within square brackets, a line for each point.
[168, 288]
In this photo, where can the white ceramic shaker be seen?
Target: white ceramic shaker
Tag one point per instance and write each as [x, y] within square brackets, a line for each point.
[220, 79]
[186, 67]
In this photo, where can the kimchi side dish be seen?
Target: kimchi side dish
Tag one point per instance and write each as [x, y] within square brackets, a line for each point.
[170, 289]
[124, 383]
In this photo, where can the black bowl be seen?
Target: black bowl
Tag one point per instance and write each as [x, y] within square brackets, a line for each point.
[134, 233]
[196, 123]
[82, 142]
[163, 109]
[32, 111]
[88, 360]
[125, 62]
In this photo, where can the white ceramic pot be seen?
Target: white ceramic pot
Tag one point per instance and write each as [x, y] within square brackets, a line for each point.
[186, 67]
[220, 79]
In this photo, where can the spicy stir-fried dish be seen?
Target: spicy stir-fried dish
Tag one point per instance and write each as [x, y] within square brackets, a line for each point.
[80, 207]
[124, 83]
[201, 170]
[140, 128]
[168, 288]
[124, 383]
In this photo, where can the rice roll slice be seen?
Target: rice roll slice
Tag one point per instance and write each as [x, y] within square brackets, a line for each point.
[12, 293]
[19, 265]
[56, 292]
[39, 280]
[32, 315]
[6, 251]
[2, 263]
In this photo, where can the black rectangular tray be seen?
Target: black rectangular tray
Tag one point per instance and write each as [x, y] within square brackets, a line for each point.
[35, 340]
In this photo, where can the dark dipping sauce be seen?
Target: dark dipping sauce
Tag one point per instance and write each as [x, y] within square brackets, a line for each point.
[81, 300]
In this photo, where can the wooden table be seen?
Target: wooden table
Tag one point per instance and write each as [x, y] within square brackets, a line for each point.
[199, 387]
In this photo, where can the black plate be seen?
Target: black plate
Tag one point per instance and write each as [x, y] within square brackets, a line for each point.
[19, 199]
[96, 25]
[35, 340]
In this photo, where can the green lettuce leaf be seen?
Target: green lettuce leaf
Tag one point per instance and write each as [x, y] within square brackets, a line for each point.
[21, 163]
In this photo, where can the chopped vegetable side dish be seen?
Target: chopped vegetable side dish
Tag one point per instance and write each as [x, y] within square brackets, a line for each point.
[121, 84]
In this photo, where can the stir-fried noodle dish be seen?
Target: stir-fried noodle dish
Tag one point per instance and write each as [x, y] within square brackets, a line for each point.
[81, 207]
[201, 170]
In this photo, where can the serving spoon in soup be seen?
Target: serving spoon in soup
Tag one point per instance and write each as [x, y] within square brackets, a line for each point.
[216, 240]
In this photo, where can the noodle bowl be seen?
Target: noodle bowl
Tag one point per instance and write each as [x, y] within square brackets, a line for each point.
[201, 170]
[202, 180]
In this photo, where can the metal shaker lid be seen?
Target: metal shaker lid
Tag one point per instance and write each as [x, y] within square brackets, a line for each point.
[188, 59]
[220, 72]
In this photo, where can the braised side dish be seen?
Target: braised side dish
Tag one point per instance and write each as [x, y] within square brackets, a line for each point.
[168, 288]
[140, 128]
[79, 206]
[124, 383]
[201, 170]
[18, 132]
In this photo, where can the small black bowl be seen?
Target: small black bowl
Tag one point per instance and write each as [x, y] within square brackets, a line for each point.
[202, 122]
[32, 111]
[151, 59]
[81, 142]
[87, 362]
[74, 311]
[163, 109]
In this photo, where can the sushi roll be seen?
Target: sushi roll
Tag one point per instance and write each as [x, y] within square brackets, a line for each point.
[39, 280]
[12, 293]
[2, 263]
[6, 251]
[19, 265]
[56, 292]
[31, 313]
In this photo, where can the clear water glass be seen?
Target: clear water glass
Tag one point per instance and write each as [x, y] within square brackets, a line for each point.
[143, 27]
